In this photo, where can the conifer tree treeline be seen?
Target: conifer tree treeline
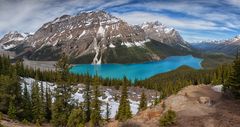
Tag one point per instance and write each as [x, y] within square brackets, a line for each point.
[232, 85]
[143, 102]
[124, 111]
[173, 81]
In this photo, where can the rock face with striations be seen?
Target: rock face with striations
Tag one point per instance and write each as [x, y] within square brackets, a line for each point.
[159, 32]
[98, 37]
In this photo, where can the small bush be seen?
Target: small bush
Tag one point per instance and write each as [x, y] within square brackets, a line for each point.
[168, 118]
[25, 122]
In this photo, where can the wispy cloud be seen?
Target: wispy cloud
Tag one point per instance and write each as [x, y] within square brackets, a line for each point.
[195, 17]
[28, 15]
[186, 23]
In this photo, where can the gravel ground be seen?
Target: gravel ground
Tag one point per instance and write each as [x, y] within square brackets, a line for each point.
[42, 65]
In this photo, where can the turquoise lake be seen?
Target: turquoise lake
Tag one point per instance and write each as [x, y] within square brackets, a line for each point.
[139, 70]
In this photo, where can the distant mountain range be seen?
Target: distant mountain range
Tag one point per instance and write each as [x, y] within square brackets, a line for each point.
[97, 37]
[228, 47]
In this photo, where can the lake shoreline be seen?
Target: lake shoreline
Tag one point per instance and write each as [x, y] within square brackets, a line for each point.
[139, 71]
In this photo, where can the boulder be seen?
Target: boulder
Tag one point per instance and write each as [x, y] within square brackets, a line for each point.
[204, 100]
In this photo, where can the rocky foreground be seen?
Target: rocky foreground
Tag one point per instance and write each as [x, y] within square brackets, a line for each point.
[195, 106]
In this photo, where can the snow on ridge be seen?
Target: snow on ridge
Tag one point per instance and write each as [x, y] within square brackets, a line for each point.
[136, 43]
[55, 43]
[112, 46]
[82, 34]
[70, 37]
[6, 47]
[101, 31]
[159, 27]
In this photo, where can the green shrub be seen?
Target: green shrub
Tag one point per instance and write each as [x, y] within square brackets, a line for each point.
[26, 122]
[168, 118]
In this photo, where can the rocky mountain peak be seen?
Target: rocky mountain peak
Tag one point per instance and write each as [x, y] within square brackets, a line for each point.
[160, 32]
[11, 39]
[99, 37]
[12, 36]
[157, 27]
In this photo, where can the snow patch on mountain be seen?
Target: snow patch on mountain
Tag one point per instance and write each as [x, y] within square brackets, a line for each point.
[82, 34]
[112, 45]
[7, 47]
[136, 43]
[101, 31]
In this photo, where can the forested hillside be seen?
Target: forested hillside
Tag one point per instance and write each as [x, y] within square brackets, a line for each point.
[60, 111]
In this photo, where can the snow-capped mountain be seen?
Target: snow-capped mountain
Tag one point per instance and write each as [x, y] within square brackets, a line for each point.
[159, 32]
[11, 39]
[98, 37]
[228, 46]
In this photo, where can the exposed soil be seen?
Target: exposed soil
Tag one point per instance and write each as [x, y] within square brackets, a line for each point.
[196, 106]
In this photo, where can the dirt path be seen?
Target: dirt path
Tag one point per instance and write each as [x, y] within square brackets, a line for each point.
[6, 122]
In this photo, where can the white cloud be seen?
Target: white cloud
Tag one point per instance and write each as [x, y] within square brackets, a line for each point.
[140, 17]
[202, 10]
[113, 3]
[181, 24]
[234, 2]
[29, 15]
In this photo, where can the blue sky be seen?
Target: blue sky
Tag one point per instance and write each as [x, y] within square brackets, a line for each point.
[196, 20]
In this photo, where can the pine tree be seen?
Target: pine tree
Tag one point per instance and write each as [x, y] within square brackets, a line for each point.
[124, 111]
[37, 104]
[76, 118]
[233, 83]
[27, 104]
[42, 100]
[87, 100]
[10, 90]
[156, 99]
[48, 103]
[143, 102]
[62, 105]
[108, 112]
[12, 110]
[96, 105]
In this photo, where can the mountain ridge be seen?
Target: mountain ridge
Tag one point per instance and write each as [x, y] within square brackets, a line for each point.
[228, 46]
[98, 37]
